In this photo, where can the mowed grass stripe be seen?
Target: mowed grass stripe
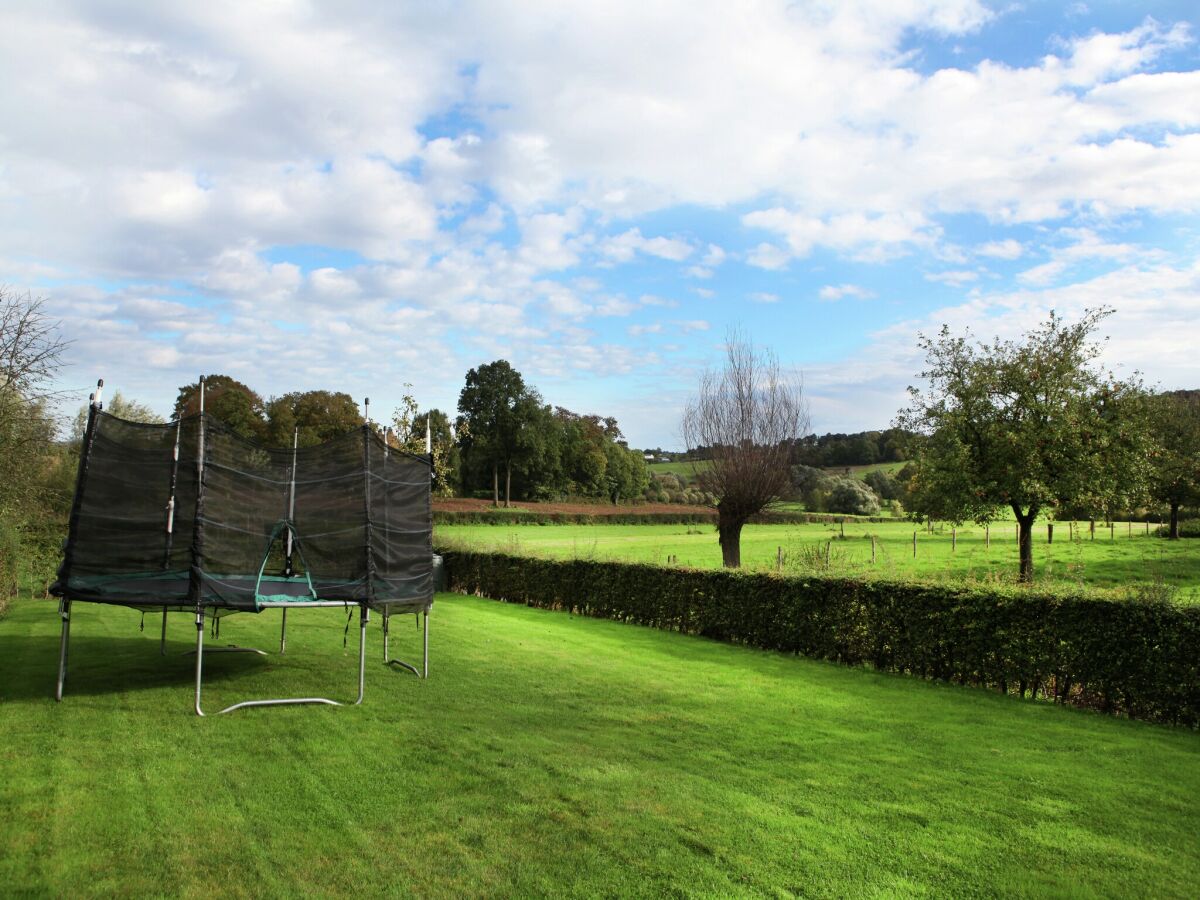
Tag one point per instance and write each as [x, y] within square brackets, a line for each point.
[551, 754]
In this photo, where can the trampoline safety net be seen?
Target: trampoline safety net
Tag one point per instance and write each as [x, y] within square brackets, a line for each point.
[190, 514]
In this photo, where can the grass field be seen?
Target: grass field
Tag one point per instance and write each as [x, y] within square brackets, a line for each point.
[686, 469]
[689, 469]
[1103, 562]
[552, 755]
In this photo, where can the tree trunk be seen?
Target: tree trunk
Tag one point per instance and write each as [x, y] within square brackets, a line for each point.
[495, 484]
[729, 530]
[507, 483]
[1174, 533]
[1025, 542]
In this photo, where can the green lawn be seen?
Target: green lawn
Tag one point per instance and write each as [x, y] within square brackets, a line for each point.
[1102, 562]
[553, 755]
[688, 469]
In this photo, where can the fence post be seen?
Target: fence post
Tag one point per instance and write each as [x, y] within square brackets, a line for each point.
[842, 525]
[953, 538]
[1112, 530]
[828, 544]
[987, 535]
[778, 559]
[1129, 528]
[872, 549]
[1092, 528]
[914, 545]
[1049, 532]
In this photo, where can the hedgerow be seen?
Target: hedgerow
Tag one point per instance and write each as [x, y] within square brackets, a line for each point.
[1136, 658]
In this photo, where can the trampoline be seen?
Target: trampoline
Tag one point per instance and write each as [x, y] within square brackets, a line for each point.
[191, 517]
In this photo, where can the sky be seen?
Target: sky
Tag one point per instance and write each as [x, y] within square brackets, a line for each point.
[359, 196]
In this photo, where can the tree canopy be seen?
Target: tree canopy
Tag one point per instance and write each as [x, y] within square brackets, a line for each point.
[496, 407]
[235, 404]
[1027, 425]
[1175, 478]
[314, 416]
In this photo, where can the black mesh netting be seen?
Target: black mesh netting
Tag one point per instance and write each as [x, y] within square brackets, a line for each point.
[351, 523]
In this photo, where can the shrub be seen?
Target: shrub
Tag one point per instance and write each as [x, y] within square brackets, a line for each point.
[849, 495]
[10, 560]
[667, 482]
[1188, 528]
[1140, 658]
[883, 484]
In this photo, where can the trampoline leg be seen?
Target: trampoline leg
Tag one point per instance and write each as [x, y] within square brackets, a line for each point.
[423, 672]
[162, 648]
[386, 620]
[283, 634]
[64, 611]
[199, 657]
[362, 651]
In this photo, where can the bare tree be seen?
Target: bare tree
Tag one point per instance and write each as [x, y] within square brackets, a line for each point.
[30, 352]
[30, 345]
[748, 415]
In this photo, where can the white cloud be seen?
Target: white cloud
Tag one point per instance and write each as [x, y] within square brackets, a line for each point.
[953, 277]
[186, 150]
[638, 330]
[763, 297]
[1086, 245]
[838, 291]
[865, 238]
[623, 247]
[1005, 249]
[768, 256]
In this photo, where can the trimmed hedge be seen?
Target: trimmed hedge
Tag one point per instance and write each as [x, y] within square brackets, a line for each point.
[536, 517]
[1136, 658]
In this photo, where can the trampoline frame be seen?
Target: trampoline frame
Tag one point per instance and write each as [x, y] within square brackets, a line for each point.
[422, 615]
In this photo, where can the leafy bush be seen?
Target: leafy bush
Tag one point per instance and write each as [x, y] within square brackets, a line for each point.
[1137, 658]
[884, 485]
[849, 495]
[10, 562]
[1188, 528]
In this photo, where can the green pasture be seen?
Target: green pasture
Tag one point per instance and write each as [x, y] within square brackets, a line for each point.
[1129, 557]
[552, 755]
[687, 469]
[690, 469]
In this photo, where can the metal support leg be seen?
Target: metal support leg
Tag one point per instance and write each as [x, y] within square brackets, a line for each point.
[199, 657]
[162, 647]
[288, 701]
[423, 672]
[362, 650]
[283, 634]
[232, 648]
[64, 611]
[386, 621]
